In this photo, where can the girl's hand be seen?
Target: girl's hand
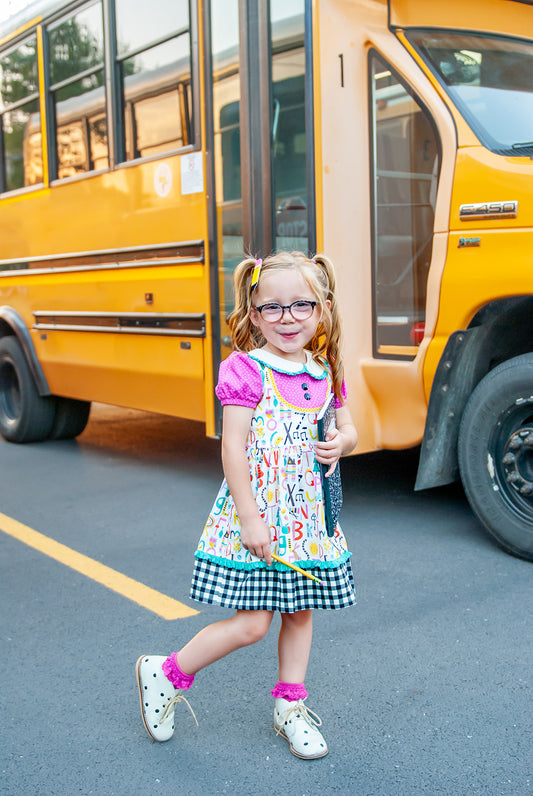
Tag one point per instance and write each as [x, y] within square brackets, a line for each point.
[339, 441]
[255, 537]
[330, 451]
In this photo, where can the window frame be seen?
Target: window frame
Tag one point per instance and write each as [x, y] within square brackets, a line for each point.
[12, 46]
[111, 85]
[119, 136]
[411, 351]
[50, 89]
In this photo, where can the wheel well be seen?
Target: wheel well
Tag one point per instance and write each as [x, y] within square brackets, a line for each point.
[5, 329]
[499, 331]
[509, 330]
[12, 324]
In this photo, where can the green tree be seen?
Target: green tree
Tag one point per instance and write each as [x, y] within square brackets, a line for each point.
[75, 47]
[18, 72]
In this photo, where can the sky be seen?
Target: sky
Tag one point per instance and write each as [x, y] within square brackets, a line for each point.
[9, 7]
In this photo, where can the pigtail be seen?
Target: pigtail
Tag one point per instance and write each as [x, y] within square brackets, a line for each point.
[327, 342]
[244, 335]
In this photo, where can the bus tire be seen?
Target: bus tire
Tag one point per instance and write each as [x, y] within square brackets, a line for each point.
[496, 454]
[25, 416]
[70, 419]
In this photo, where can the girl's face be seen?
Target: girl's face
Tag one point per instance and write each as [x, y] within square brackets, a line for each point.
[286, 337]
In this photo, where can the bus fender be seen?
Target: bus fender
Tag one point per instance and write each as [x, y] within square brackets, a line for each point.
[456, 376]
[11, 322]
[500, 330]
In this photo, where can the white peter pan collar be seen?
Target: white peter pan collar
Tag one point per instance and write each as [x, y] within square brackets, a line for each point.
[287, 365]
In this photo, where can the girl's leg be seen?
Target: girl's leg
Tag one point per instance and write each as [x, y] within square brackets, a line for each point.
[160, 680]
[292, 719]
[294, 645]
[219, 639]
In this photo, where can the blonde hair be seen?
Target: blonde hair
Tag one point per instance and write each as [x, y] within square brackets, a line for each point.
[320, 276]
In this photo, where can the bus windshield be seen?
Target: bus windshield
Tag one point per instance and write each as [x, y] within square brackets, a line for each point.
[489, 80]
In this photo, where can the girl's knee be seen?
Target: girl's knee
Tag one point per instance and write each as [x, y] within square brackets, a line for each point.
[253, 625]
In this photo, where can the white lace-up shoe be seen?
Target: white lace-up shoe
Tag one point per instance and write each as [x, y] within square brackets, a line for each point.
[299, 725]
[158, 697]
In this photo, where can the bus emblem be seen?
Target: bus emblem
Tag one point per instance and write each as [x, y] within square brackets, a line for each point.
[469, 242]
[488, 210]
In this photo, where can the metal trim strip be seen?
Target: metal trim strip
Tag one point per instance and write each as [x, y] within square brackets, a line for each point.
[118, 330]
[152, 316]
[124, 323]
[99, 267]
[100, 252]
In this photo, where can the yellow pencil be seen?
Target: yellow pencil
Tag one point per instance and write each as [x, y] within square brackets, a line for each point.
[296, 569]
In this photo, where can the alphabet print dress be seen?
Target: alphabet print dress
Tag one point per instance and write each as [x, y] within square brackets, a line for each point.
[286, 483]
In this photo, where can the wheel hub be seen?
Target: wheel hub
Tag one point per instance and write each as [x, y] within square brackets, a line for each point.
[517, 461]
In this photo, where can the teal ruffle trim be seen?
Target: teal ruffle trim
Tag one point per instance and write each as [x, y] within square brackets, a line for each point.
[226, 562]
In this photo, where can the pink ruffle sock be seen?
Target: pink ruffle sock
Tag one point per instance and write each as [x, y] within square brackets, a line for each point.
[292, 692]
[173, 672]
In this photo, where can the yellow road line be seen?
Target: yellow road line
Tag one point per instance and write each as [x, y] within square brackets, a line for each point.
[151, 599]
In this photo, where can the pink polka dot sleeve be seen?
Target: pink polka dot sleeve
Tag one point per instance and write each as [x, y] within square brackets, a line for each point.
[344, 393]
[239, 381]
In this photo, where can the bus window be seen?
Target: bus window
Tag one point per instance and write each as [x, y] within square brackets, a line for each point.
[79, 147]
[405, 166]
[142, 21]
[230, 140]
[157, 99]
[489, 78]
[98, 140]
[21, 160]
[289, 142]
[227, 150]
[32, 152]
[77, 89]
[156, 75]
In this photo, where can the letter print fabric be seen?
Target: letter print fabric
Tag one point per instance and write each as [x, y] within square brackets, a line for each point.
[286, 483]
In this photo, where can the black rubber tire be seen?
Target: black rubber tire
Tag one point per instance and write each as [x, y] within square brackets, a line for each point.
[496, 454]
[71, 418]
[25, 416]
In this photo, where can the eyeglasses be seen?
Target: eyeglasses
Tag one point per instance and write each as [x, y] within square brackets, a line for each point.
[300, 310]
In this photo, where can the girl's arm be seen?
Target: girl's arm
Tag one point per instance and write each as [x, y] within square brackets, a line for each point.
[339, 441]
[255, 534]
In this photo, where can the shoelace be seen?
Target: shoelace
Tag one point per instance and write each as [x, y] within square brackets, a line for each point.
[173, 702]
[301, 710]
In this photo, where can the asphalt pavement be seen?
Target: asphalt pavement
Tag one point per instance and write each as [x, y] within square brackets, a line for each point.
[424, 687]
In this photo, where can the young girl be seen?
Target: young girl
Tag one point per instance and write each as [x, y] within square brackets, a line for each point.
[287, 364]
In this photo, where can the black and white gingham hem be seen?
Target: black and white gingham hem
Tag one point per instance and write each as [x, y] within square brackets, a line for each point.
[270, 589]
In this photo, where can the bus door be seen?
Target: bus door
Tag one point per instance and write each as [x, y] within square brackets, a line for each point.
[405, 158]
[262, 143]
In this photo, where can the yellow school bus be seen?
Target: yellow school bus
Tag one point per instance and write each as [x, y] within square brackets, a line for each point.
[146, 144]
